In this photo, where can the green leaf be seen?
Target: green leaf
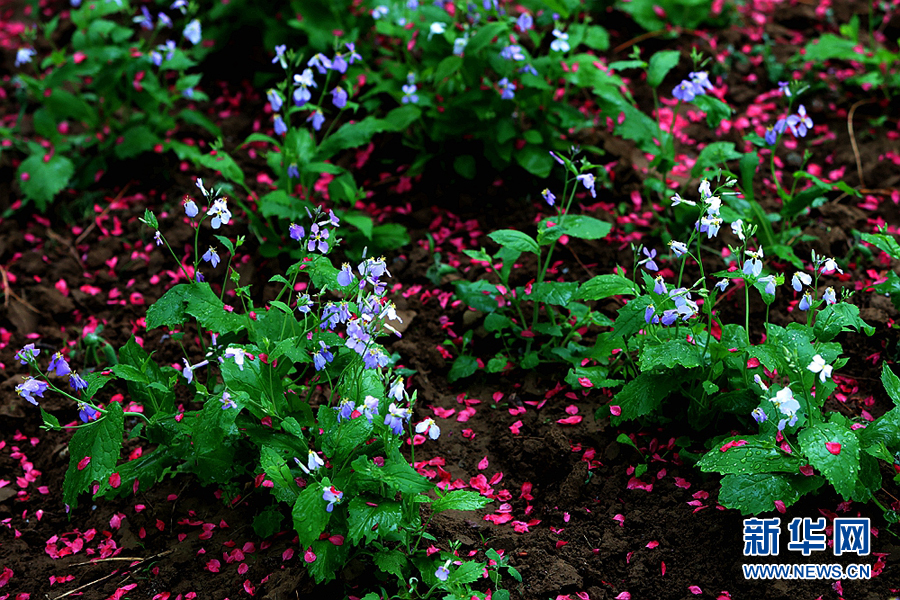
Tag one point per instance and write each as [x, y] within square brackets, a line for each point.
[480, 295]
[842, 469]
[468, 572]
[714, 155]
[370, 522]
[510, 238]
[197, 300]
[362, 222]
[642, 395]
[885, 243]
[584, 227]
[276, 469]
[835, 318]
[267, 523]
[484, 37]
[330, 560]
[344, 440]
[354, 135]
[715, 109]
[756, 456]
[100, 441]
[558, 293]
[463, 366]
[464, 164]
[891, 383]
[135, 141]
[309, 513]
[447, 68]
[756, 492]
[604, 286]
[391, 562]
[536, 160]
[660, 64]
[396, 474]
[460, 500]
[214, 435]
[41, 181]
[630, 319]
[669, 354]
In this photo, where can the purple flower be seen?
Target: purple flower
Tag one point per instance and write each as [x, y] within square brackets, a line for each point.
[164, 20]
[304, 303]
[293, 172]
[669, 316]
[650, 314]
[59, 365]
[648, 262]
[322, 357]
[146, 19]
[759, 415]
[76, 382]
[529, 69]
[333, 314]
[442, 573]
[685, 91]
[32, 387]
[512, 52]
[345, 277]
[275, 100]
[226, 401]
[320, 62]
[507, 89]
[588, 180]
[212, 257]
[332, 496]
[317, 119]
[800, 123]
[296, 232]
[659, 286]
[785, 88]
[395, 417]
[24, 55]
[524, 22]
[27, 354]
[409, 94]
[86, 412]
[339, 97]
[280, 127]
[700, 79]
[190, 208]
[354, 55]
[279, 56]
[549, 197]
[370, 408]
[375, 358]
[338, 63]
[317, 239]
[305, 81]
[345, 410]
[157, 237]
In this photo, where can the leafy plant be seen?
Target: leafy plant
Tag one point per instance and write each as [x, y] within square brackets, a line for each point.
[280, 397]
[109, 95]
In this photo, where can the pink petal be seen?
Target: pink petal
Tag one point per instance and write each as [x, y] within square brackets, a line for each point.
[483, 464]
[616, 411]
[624, 596]
[695, 590]
[833, 447]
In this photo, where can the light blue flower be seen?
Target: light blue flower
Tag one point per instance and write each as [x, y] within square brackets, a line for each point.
[525, 22]
[192, 32]
[275, 100]
[280, 127]
[560, 44]
[549, 197]
[805, 302]
[317, 118]
[24, 55]
[829, 296]
[212, 257]
[339, 97]
[507, 89]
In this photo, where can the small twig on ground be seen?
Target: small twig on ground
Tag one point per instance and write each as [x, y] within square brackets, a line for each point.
[93, 224]
[7, 292]
[129, 558]
[853, 108]
[87, 585]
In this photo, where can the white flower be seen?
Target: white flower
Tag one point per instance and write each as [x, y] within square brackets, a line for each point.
[220, 213]
[430, 427]
[830, 265]
[705, 191]
[738, 229]
[437, 28]
[677, 199]
[679, 248]
[818, 365]
[799, 280]
[238, 355]
[713, 205]
[785, 402]
[559, 44]
[192, 32]
[314, 461]
[760, 383]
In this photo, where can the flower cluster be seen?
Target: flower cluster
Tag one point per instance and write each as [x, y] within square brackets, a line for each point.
[696, 85]
[59, 367]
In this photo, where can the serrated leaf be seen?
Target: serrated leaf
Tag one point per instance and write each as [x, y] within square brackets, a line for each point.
[891, 383]
[468, 572]
[835, 318]
[558, 293]
[714, 155]
[135, 141]
[344, 439]
[197, 300]
[841, 470]
[330, 559]
[756, 456]
[273, 463]
[102, 442]
[370, 522]
[40, 181]
[604, 286]
[669, 354]
[510, 238]
[642, 395]
[396, 474]
[390, 561]
[757, 492]
[310, 514]
[460, 500]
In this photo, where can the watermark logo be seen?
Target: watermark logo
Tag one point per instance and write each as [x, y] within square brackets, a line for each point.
[848, 536]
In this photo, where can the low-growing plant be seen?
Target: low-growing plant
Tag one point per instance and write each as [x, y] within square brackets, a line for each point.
[113, 92]
[251, 392]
